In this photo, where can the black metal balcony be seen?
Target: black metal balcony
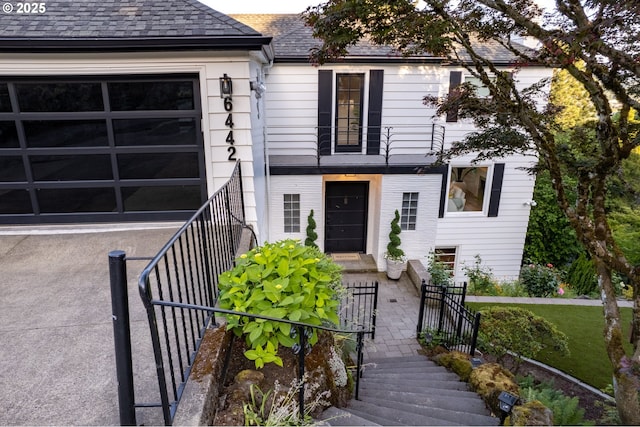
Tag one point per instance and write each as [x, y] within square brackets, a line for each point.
[374, 147]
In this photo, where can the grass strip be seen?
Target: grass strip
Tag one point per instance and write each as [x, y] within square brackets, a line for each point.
[584, 326]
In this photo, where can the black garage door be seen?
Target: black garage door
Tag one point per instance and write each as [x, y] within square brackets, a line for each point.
[100, 149]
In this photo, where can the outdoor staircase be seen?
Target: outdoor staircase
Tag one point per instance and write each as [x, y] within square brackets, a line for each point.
[410, 391]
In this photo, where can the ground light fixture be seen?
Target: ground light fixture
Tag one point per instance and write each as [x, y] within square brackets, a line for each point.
[506, 402]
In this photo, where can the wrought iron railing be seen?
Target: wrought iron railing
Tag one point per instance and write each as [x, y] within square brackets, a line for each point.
[394, 140]
[179, 291]
[359, 307]
[444, 317]
[185, 274]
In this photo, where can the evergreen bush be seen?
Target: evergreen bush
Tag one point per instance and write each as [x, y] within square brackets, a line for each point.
[582, 276]
[311, 231]
[394, 253]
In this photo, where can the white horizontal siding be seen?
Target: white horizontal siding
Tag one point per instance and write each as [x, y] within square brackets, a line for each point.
[499, 240]
[415, 243]
[310, 189]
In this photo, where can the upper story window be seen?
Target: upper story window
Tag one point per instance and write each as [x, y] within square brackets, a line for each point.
[409, 215]
[467, 189]
[481, 90]
[349, 97]
[346, 123]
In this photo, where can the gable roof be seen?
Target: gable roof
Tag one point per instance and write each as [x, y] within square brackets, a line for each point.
[293, 41]
[81, 25]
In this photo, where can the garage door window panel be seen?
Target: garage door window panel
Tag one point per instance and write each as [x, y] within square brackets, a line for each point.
[71, 167]
[184, 197]
[8, 135]
[12, 169]
[5, 101]
[70, 200]
[60, 97]
[169, 131]
[66, 133]
[14, 202]
[144, 96]
[158, 165]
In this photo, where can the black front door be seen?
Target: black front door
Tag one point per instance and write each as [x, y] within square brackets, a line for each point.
[346, 217]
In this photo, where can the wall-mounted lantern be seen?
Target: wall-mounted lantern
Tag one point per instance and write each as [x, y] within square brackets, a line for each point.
[226, 86]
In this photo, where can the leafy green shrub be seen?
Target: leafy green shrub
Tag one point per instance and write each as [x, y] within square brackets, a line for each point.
[566, 410]
[582, 276]
[539, 280]
[394, 253]
[284, 280]
[520, 331]
[480, 278]
[311, 231]
[440, 274]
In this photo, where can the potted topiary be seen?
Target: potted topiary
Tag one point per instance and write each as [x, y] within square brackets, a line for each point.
[395, 256]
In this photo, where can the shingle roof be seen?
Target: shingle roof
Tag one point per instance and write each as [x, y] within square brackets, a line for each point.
[293, 40]
[111, 22]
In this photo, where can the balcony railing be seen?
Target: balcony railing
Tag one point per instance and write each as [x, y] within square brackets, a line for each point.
[385, 145]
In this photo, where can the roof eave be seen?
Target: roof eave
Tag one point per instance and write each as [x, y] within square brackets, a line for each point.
[37, 45]
[365, 59]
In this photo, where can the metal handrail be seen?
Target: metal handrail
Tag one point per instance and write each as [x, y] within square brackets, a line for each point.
[426, 137]
[300, 326]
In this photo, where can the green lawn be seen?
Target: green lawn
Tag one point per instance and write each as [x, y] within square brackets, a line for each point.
[584, 327]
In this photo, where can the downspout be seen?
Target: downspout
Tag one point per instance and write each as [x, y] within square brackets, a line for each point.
[267, 174]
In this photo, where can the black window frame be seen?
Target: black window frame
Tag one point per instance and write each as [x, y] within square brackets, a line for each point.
[349, 131]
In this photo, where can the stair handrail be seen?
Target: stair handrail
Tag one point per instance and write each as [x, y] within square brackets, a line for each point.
[169, 409]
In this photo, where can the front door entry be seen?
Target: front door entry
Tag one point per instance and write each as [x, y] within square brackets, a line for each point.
[346, 210]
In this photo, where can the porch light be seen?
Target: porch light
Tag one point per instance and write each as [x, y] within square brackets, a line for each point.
[226, 86]
[506, 402]
[531, 203]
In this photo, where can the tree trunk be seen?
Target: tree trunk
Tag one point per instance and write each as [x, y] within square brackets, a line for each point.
[625, 383]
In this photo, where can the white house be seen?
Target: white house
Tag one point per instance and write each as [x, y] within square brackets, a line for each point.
[115, 111]
[353, 141]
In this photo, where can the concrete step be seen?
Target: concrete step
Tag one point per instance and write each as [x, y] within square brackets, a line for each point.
[441, 375]
[427, 390]
[395, 416]
[437, 386]
[473, 404]
[399, 359]
[405, 369]
[411, 391]
[458, 417]
[342, 417]
[372, 417]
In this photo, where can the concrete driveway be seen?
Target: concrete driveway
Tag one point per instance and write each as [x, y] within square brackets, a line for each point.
[57, 364]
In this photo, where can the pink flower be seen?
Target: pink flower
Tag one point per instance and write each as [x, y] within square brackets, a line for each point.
[560, 291]
[550, 265]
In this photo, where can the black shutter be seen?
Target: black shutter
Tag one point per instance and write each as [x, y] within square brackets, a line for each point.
[376, 84]
[325, 97]
[455, 78]
[443, 190]
[496, 189]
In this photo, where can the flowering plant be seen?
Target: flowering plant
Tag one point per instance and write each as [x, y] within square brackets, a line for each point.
[539, 280]
[284, 280]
